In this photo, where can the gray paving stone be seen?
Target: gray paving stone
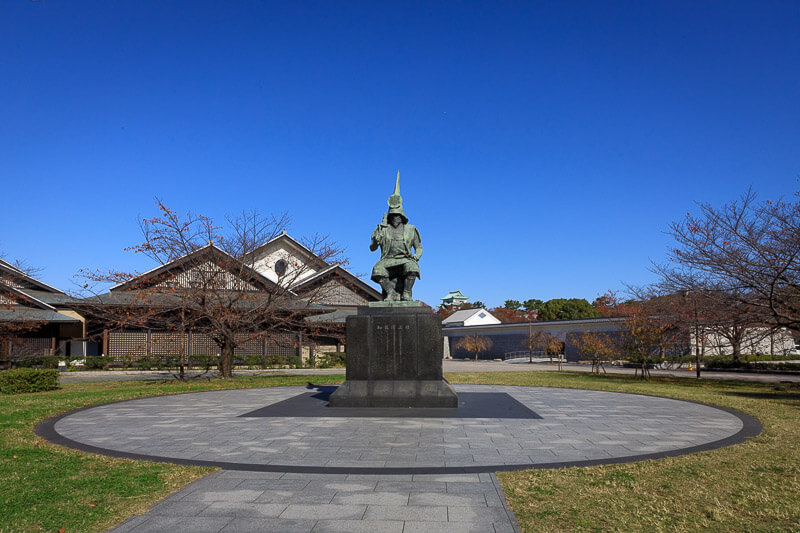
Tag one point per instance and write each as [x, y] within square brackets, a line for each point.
[412, 486]
[349, 486]
[244, 510]
[324, 512]
[434, 498]
[178, 508]
[358, 526]
[465, 488]
[160, 524]
[447, 527]
[273, 484]
[236, 495]
[261, 525]
[494, 499]
[312, 495]
[371, 498]
[428, 513]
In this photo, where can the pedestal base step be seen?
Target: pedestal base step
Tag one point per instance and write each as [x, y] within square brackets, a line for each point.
[394, 393]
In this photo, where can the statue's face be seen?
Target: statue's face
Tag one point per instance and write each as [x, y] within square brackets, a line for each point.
[395, 220]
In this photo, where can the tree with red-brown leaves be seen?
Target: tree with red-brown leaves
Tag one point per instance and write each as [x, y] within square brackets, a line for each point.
[597, 346]
[474, 344]
[611, 305]
[509, 316]
[651, 327]
[206, 281]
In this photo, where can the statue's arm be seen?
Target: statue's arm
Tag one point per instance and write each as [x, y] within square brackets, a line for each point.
[375, 240]
[417, 244]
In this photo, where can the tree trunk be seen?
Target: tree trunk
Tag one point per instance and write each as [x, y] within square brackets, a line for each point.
[645, 369]
[226, 359]
[737, 350]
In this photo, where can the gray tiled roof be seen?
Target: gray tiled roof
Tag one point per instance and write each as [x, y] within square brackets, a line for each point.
[337, 317]
[173, 299]
[26, 314]
[52, 298]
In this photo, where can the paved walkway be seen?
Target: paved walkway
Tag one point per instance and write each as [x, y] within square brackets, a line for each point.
[239, 501]
[287, 468]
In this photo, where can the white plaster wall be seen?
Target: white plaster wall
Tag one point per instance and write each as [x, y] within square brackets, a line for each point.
[756, 341]
[296, 268]
[476, 320]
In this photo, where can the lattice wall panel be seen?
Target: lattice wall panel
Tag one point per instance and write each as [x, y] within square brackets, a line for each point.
[282, 345]
[127, 344]
[30, 346]
[249, 347]
[166, 343]
[203, 345]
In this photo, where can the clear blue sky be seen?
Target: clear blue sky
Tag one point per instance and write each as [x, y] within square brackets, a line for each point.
[544, 146]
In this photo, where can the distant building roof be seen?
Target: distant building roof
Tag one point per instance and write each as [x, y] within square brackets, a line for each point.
[454, 297]
[473, 316]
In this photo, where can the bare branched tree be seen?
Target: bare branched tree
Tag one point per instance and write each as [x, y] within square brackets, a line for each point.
[744, 254]
[209, 282]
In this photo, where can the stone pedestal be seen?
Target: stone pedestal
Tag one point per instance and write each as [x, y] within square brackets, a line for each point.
[394, 359]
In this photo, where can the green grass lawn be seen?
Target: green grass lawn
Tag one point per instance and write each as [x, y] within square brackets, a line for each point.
[750, 486]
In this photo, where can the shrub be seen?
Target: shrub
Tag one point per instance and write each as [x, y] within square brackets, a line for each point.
[96, 363]
[21, 380]
[203, 361]
[145, 362]
[721, 361]
[253, 361]
[332, 360]
[36, 361]
[725, 362]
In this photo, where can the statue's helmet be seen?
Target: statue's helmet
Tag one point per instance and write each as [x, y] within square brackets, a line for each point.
[396, 201]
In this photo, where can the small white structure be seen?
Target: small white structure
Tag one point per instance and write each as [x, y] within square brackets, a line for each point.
[470, 317]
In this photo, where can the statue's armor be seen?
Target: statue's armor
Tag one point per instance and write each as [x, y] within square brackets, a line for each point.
[397, 245]
[401, 249]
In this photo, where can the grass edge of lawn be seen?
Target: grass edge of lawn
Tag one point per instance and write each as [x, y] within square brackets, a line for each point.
[751, 485]
[68, 488]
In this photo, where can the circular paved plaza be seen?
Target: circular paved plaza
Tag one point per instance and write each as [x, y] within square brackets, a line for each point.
[495, 428]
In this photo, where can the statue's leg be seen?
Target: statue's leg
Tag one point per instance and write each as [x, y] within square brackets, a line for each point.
[388, 286]
[409, 284]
